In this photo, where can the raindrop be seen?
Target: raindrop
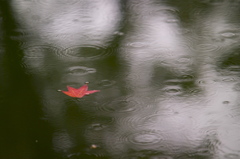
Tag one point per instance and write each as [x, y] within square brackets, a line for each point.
[228, 34]
[172, 81]
[97, 126]
[202, 82]
[187, 78]
[80, 70]
[194, 91]
[184, 79]
[118, 33]
[91, 70]
[93, 146]
[226, 102]
[100, 124]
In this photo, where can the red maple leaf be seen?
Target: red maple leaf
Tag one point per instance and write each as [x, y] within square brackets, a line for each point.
[79, 92]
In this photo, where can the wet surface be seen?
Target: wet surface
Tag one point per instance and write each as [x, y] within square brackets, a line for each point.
[168, 74]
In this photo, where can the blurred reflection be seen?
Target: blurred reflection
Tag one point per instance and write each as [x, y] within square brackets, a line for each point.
[169, 79]
[69, 43]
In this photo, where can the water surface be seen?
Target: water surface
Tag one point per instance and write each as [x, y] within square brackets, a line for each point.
[168, 74]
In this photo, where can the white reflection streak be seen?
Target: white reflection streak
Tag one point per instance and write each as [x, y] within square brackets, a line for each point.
[218, 90]
[154, 42]
[65, 25]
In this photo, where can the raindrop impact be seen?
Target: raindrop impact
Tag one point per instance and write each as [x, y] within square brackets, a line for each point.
[228, 34]
[106, 83]
[80, 70]
[144, 138]
[173, 90]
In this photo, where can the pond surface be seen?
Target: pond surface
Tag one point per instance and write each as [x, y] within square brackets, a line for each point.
[168, 72]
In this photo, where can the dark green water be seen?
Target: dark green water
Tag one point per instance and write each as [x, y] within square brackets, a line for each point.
[168, 74]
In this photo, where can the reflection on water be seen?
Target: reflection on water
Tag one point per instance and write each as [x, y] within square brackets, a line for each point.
[168, 72]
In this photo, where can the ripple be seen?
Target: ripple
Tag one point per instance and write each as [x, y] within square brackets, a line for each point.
[234, 68]
[161, 157]
[40, 51]
[172, 20]
[137, 44]
[202, 82]
[211, 2]
[208, 47]
[80, 70]
[231, 156]
[86, 52]
[187, 78]
[106, 83]
[144, 138]
[22, 37]
[155, 118]
[173, 90]
[97, 126]
[172, 117]
[229, 79]
[47, 2]
[131, 122]
[182, 79]
[73, 155]
[121, 105]
[236, 87]
[146, 154]
[185, 60]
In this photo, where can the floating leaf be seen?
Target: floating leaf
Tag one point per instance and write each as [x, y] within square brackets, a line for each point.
[79, 92]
